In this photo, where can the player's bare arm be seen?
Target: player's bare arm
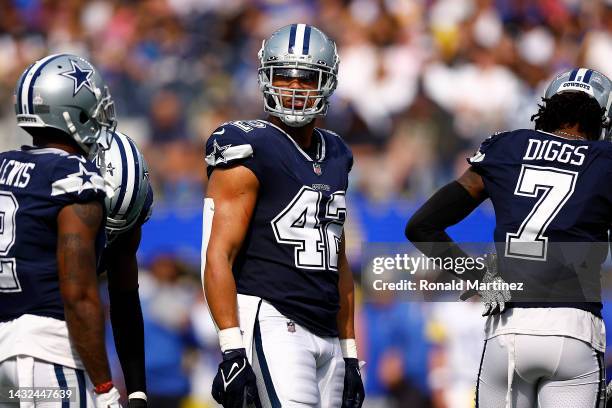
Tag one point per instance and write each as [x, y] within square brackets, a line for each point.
[234, 192]
[473, 184]
[125, 309]
[78, 225]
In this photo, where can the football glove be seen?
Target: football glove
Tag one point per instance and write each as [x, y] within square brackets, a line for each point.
[109, 399]
[494, 300]
[235, 381]
[353, 394]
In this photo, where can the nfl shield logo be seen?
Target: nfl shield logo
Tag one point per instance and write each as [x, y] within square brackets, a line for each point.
[291, 326]
[317, 169]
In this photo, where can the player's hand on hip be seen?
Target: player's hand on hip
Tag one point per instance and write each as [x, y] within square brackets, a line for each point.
[108, 399]
[235, 381]
[497, 296]
[353, 394]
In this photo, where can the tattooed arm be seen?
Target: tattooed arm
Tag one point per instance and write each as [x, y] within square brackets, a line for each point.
[78, 226]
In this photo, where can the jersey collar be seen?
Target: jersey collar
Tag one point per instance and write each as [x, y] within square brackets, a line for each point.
[320, 148]
[559, 136]
[44, 150]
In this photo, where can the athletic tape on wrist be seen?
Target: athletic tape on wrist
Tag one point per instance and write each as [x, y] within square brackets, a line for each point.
[230, 339]
[349, 348]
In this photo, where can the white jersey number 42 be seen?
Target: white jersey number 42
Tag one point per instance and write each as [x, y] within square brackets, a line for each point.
[316, 246]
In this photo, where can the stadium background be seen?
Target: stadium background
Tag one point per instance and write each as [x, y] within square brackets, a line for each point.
[421, 83]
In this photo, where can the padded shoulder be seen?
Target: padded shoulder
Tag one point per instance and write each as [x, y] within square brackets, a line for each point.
[76, 179]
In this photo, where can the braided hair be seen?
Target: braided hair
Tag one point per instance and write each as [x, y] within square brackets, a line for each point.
[568, 109]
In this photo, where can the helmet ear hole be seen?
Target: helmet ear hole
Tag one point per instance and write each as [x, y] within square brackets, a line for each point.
[83, 118]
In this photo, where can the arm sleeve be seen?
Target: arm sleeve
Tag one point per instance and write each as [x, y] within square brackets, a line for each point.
[229, 146]
[128, 333]
[426, 229]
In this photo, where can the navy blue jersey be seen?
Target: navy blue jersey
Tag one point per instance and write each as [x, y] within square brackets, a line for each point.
[553, 206]
[290, 254]
[145, 214]
[35, 184]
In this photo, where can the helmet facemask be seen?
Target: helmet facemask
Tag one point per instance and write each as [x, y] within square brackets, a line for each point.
[296, 106]
[95, 130]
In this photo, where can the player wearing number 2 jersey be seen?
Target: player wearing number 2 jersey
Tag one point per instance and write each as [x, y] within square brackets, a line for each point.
[276, 275]
[550, 189]
[51, 236]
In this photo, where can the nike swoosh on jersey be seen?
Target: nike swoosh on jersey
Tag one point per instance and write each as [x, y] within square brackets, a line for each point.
[231, 377]
[220, 132]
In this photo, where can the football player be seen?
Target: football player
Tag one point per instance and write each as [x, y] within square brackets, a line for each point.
[277, 280]
[124, 168]
[51, 236]
[553, 204]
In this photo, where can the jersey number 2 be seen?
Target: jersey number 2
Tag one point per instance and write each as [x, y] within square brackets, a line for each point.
[555, 187]
[316, 246]
[8, 272]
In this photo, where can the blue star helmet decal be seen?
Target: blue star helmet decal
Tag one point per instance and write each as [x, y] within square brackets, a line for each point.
[80, 77]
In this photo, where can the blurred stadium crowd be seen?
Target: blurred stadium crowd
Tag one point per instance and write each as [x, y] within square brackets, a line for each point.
[421, 83]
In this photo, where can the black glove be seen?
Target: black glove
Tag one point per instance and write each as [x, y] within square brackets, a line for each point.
[353, 394]
[137, 403]
[235, 381]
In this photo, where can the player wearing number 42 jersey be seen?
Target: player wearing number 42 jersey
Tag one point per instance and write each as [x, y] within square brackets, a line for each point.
[276, 275]
[550, 188]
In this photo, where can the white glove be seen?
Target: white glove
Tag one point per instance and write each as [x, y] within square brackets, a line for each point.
[494, 300]
[109, 399]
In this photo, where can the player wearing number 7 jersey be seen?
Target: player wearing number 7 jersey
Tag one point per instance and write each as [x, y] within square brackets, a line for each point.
[550, 188]
[276, 275]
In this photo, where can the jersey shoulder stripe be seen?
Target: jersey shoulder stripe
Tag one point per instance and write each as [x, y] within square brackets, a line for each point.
[78, 181]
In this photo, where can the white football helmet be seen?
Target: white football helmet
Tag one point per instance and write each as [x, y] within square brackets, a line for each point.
[125, 170]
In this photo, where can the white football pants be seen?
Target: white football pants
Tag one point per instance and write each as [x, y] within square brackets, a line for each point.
[25, 372]
[528, 371]
[294, 367]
